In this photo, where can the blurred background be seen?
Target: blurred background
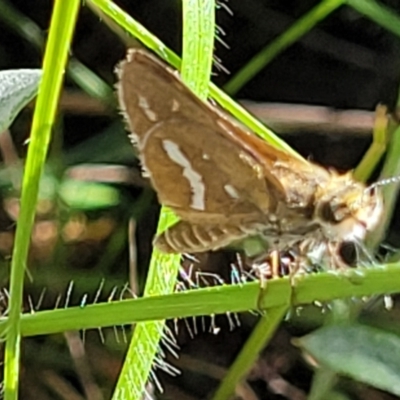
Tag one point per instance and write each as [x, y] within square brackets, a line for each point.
[97, 215]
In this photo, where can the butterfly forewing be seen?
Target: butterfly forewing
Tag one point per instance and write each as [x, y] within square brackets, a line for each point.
[194, 166]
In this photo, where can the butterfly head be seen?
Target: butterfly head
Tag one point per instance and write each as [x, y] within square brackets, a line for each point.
[346, 210]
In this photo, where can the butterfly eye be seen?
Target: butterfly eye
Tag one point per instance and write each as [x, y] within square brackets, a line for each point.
[327, 212]
[332, 212]
[372, 191]
[348, 253]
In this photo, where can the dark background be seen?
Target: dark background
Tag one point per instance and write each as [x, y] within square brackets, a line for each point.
[345, 62]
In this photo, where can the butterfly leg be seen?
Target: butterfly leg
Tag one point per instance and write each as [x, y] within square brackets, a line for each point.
[266, 268]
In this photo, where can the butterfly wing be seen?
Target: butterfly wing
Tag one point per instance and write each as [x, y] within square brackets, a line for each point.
[196, 169]
[221, 180]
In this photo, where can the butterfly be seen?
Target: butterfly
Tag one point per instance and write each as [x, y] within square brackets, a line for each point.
[224, 182]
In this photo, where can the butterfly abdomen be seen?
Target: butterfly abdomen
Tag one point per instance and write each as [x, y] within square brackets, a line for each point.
[185, 237]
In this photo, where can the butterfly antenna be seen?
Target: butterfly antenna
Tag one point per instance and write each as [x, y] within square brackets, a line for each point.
[383, 182]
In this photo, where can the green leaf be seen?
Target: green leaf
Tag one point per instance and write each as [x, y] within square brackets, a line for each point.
[17, 88]
[363, 353]
[88, 195]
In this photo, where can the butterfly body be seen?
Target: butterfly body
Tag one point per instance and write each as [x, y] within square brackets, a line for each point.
[224, 182]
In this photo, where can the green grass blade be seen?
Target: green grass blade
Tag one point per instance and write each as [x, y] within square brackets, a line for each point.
[249, 120]
[12, 18]
[290, 36]
[152, 42]
[378, 146]
[378, 13]
[26, 28]
[322, 287]
[198, 44]
[249, 354]
[391, 168]
[198, 47]
[143, 347]
[60, 34]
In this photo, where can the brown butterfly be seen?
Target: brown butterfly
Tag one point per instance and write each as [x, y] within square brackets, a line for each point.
[226, 183]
